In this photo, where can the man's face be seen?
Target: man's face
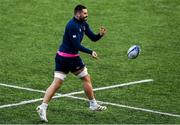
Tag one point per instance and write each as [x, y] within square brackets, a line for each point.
[83, 15]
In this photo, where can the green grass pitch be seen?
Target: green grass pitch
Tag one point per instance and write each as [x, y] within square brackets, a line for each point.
[30, 34]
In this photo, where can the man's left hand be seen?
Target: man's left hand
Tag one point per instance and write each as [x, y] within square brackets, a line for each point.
[102, 31]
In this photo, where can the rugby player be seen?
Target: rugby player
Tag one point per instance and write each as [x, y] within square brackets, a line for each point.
[68, 59]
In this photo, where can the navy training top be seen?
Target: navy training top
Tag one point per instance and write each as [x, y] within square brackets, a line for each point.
[73, 36]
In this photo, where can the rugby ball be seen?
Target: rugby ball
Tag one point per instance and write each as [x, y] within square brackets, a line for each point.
[133, 51]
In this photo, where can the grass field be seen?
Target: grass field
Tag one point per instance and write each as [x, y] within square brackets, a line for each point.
[30, 34]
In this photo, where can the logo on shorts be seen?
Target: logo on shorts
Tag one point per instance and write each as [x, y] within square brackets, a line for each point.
[78, 67]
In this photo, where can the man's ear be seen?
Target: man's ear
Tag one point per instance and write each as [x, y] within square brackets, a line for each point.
[77, 15]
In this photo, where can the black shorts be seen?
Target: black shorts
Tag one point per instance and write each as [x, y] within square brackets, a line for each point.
[68, 64]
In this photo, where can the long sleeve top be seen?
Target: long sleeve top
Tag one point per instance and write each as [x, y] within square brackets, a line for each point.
[73, 36]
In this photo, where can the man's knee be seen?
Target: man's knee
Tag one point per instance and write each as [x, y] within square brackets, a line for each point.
[83, 74]
[59, 75]
[57, 81]
[86, 78]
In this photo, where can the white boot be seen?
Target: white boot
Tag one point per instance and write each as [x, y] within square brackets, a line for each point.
[41, 109]
[96, 107]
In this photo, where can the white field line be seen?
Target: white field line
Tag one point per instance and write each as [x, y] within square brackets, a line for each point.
[79, 98]
[80, 92]
[58, 95]
[124, 84]
[22, 88]
[129, 107]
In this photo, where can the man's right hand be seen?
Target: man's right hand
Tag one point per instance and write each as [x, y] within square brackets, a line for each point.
[94, 55]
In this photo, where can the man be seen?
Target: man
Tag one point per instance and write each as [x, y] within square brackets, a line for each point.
[68, 59]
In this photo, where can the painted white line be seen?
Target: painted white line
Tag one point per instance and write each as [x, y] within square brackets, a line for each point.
[129, 107]
[79, 98]
[63, 95]
[28, 102]
[80, 92]
[22, 88]
[21, 103]
[124, 84]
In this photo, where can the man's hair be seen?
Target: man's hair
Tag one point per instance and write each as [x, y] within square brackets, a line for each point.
[79, 8]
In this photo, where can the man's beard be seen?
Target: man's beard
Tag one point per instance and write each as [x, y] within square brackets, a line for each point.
[83, 19]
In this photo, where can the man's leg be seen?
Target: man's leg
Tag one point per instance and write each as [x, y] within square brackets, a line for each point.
[87, 86]
[51, 90]
[88, 89]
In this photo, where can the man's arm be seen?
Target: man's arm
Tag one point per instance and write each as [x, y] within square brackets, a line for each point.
[75, 39]
[92, 36]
